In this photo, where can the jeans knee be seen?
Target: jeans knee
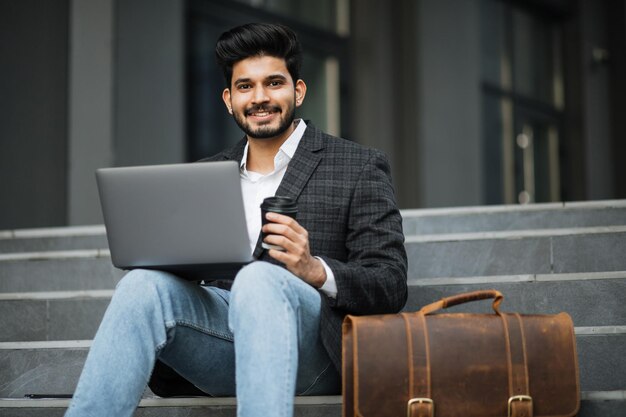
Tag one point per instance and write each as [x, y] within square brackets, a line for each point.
[269, 294]
[256, 279]
[142, 287]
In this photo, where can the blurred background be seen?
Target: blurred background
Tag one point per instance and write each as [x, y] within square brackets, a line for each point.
[476, 102]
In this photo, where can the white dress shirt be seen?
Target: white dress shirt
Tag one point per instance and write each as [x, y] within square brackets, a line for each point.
[256, 187]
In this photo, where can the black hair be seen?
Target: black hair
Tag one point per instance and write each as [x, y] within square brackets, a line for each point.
[258, 39]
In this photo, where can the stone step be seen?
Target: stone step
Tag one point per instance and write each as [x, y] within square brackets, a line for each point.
[602, 404]
[592, 299]
[321, 406]
[58, 271]
[56, 315]
[593, 404]
[54, 367]
[517, 252]
[53, 239]
[416, 222]
[72, 315]
[430, 256]
[40, 367]
[514, 217]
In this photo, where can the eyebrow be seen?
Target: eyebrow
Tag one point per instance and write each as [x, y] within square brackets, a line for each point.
[269, 77]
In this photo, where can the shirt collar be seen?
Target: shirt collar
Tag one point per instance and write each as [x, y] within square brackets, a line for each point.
[288, 147]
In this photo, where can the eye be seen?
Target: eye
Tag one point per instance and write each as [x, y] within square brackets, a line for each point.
[275, 83]
[243, 86]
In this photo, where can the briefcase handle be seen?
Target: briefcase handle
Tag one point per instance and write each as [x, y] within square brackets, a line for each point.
[465, 298]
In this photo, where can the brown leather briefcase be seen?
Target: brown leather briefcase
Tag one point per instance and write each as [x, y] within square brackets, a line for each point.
[460, 365]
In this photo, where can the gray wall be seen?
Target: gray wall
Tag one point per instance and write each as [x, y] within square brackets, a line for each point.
[92, 83]
[416, 95]
[450, 147]
[84, 84]
[33, 113]
[91, 105]
[149, 82]
[384, 88]
[127, 92]
[596, 104]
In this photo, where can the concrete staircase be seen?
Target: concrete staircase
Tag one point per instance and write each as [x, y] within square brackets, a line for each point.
[56, 283]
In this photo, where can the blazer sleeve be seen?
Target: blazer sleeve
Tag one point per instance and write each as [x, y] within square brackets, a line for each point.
[373, 279]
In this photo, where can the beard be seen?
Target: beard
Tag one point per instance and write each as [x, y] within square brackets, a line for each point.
[265, 131]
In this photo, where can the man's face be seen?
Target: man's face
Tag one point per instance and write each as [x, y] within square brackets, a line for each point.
[262, 97]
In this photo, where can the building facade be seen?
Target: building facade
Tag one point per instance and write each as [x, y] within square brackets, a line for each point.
[475, 101]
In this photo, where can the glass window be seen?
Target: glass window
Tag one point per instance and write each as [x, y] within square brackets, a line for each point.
[522, 103]
[492, 149]
[493, 42]
[323, 14]
[533, 62]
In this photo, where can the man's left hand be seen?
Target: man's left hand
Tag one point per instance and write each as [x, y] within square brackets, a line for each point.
[287, 233]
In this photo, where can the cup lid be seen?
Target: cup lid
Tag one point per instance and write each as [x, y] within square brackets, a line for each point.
[279, 202]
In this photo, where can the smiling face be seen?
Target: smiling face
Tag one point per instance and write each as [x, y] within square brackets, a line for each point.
[262, 97]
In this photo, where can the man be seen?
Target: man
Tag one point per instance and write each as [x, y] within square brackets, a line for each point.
[274, 331]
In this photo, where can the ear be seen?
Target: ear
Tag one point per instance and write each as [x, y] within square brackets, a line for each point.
[300, 89]
[226, 98]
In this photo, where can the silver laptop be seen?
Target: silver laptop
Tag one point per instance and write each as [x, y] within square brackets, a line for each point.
[187, 219]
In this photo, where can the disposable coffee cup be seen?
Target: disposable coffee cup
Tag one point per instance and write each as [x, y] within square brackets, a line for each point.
[281, 205]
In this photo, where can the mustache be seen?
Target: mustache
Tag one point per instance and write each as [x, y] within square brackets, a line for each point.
[261, 108]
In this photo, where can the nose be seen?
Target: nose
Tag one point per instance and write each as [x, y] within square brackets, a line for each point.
[260, 96]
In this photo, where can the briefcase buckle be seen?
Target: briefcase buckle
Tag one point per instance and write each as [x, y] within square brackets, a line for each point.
[420, 401]
[518, 398]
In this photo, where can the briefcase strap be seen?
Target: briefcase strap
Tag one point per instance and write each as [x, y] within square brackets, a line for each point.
[465, 298]
[420, 402]
[520, 402]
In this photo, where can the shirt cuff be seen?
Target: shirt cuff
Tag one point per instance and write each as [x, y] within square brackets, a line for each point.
[330, 286]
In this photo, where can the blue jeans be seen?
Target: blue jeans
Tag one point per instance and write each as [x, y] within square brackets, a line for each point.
[268, 324]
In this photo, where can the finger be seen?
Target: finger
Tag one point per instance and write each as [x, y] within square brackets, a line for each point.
[283, 242]
[282, 219]
[282, 230]
[296, 244]
[284, 257]
[288, 224]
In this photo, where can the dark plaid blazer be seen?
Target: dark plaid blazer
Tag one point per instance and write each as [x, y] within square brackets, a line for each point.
[346, 202]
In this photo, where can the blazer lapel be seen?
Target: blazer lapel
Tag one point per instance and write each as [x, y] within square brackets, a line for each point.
[300, 169]
[236, 152]
[304, 161]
